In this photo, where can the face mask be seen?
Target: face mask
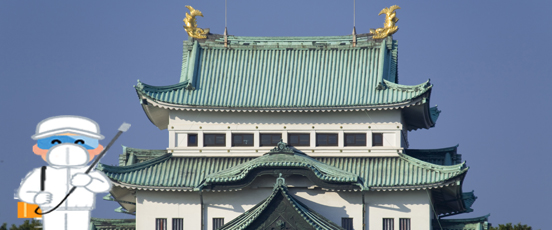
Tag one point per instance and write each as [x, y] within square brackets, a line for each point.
[67, 155]
[49, 142]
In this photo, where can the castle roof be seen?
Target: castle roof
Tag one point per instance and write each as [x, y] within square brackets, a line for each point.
[279, 210]
[290, 74]
[369, 174]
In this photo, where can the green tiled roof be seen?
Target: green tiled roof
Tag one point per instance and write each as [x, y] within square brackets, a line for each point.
[248, 219]
[442, 156]
[283, 160]
[476, 223]
[376, 173]
[288, 72]
[112, 224]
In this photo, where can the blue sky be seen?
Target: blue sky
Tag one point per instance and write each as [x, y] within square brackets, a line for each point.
[489, 61]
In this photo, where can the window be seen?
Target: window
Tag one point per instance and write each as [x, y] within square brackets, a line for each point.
[192, 140]
[270, 139]
[326, 139]
[388, 224]
[404, 223]
[242, 139]
[214, 140]
[347, 223]
[160, 224]
[355, 139]
[299, 139]
[178, 224]
[377, 139]
[217, 223]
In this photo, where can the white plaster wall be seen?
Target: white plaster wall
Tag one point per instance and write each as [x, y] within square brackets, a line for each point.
[387, 122]
[152, 205]
[331, 204]
[396, 205]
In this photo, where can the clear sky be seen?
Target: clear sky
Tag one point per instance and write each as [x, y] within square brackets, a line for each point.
[489, 61]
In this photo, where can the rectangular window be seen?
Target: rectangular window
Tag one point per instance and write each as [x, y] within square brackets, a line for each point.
[355, 139]
[192, 140]
[214, 140]
[160, 224]
[217, 223]
[242, 139]
[270, 139]
[178, 224]
[299, 139]
[388, 224]
[404, 223]
[326, 139]
[377, 139]
[347, 223]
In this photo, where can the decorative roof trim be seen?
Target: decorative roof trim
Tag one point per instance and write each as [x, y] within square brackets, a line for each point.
[311, 217]
[456, 181]
[151, 188]
[134, 167]
[420, 100]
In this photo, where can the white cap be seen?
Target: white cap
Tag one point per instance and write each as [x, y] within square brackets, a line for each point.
[67, 124]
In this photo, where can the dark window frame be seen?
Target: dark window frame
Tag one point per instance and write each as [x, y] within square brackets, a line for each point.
[160, 223]
[215, 145]
[355, 136]
[405, 224]
[177, 223]
[347, 223]
[388, 224]
[242, 134]
[271, 139]
[196, 140]
[374, 139]
[298, 134]
[218, 222]
[327, 139]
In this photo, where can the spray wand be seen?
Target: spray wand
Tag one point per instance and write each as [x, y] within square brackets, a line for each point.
[123, 128]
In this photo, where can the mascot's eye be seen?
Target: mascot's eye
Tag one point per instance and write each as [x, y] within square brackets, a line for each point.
[56, 141]
[79, 142]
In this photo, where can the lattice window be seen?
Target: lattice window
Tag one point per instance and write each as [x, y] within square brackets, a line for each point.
[178, 224]
[326, 139]
[214, 140]
[217, 223]
[299, 139]
[355, 139]
[347, 223]
[388, 224]
[377, 139]
[404, 224]
[160, 224]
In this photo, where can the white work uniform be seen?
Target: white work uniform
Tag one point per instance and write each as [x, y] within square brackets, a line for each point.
[74, 213]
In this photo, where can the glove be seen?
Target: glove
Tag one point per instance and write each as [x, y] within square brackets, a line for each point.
[81, 180]
[43, 198]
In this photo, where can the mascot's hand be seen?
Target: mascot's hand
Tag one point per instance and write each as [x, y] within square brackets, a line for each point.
[43, 198]
[81, 180]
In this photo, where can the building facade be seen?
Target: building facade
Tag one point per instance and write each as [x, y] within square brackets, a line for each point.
[291, 133]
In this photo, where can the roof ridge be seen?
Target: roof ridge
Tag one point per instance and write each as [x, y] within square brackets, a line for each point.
[419, 87]
[461, 167]
[133, 167]
[444, 149]
[143, 86]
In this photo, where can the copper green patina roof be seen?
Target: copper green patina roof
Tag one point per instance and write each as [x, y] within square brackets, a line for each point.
[279, 158]
[476, 223]
[268, 214]
[112, 224]
[442, 156]
[375, 173]
[288, 73]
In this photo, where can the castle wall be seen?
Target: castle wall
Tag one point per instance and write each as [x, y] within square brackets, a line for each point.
[388, 123]
[333, 205]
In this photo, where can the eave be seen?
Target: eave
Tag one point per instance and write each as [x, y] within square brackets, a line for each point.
[158, 111]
